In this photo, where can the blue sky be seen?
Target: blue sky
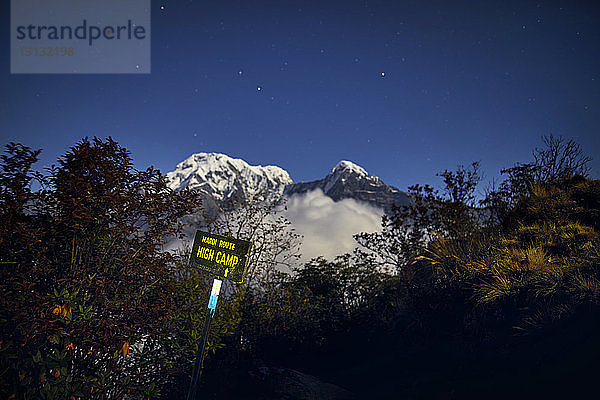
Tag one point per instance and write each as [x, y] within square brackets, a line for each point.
[403, 88]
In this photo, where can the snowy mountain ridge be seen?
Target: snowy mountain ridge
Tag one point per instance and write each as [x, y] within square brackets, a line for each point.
[220, 177]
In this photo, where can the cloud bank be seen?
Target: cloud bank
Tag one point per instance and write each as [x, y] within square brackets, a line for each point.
[328, 226]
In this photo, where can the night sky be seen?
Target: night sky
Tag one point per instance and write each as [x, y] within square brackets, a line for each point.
[403, 88]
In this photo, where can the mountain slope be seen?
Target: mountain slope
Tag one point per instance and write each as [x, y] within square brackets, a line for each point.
[222, 177]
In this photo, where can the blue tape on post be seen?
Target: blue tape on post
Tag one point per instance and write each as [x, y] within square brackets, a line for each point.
[214, 294]
[212, 303]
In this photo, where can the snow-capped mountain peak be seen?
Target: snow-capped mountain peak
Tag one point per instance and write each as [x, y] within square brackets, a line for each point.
[341, 172]
[221, 176]
[349, 166]
[348, 180]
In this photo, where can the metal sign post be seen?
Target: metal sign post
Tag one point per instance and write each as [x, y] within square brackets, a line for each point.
[223, 257]
[212, 304]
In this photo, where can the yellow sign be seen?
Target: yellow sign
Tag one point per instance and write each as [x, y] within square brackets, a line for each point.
[220, 256]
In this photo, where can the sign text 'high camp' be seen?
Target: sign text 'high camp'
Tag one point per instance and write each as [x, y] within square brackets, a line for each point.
[220, 256]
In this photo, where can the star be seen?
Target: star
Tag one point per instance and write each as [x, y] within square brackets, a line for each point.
[382, 74]
[259, 88]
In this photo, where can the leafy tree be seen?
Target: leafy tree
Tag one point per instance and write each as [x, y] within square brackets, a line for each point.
[87, 301]
[259, 219]
[430, 213]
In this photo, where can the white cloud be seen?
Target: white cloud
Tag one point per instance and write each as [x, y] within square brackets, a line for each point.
[328, 226]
